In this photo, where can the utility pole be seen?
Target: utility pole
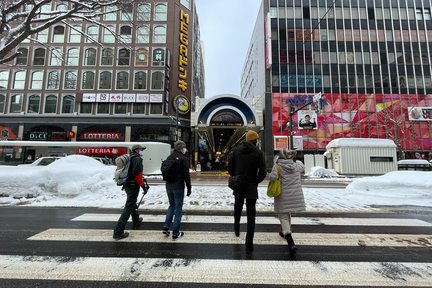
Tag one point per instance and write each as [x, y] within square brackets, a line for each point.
[177, 120]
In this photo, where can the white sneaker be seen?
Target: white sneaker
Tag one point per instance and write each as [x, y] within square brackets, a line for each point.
[176, 237]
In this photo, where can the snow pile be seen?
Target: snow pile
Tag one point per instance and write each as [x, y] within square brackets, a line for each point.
[320, 172]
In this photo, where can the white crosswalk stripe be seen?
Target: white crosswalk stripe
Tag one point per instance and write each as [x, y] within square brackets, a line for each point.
[230, 271]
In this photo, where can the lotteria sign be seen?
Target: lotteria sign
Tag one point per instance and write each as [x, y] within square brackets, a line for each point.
[104, 151]
[102, 136]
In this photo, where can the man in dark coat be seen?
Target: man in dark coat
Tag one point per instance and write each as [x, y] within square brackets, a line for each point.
[175, 191]
[132, 186]
[247, 160]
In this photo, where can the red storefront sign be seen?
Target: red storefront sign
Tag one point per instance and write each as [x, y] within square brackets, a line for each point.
[101, 136]
[101, 151]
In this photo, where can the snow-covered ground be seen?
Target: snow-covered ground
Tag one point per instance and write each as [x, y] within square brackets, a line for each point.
[80, 181]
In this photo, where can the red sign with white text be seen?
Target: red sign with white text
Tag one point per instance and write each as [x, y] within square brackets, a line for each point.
[101, 136]
[101, 151]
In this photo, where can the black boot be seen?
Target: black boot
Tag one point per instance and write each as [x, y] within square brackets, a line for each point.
[291, 245]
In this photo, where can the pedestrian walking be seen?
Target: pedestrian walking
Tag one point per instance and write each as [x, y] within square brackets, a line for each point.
[248, 161]
[132, 186]
[291, 198]
[175, 188]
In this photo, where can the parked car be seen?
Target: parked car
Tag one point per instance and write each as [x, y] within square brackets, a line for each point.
[414, 164]
[42, 161]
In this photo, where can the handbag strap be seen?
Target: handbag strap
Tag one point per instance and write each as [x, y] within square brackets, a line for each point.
[278, 169]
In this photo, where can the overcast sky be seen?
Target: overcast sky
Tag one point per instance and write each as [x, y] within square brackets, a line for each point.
[226, 30]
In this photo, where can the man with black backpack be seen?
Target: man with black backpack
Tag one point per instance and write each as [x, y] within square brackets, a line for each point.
[175, 171]
[132, 186]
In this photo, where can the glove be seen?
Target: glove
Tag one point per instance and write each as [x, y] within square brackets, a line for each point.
[145, 189]
[189, 191]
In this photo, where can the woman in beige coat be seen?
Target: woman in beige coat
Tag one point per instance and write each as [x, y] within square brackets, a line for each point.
[291, 198]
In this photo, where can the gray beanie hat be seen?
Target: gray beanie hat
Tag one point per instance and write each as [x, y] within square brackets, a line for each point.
[287, 154]
[179, 145]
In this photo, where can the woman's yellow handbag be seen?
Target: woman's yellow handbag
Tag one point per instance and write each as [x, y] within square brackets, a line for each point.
[274, 187]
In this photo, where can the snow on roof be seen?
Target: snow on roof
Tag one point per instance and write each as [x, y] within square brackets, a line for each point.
[414, 161]
[361, 142]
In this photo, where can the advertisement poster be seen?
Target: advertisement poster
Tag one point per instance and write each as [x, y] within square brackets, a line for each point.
[280, 142]
[420, 113]
[307, 119]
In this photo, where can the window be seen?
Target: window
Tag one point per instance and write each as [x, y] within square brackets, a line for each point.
[122, 80]
[74, 34]
[126, 12]
[107, 57]
[15, 103]
[124, 56]
[427, 14]
[108, 36]
[36, 80]
[126, 34]
[155, 108]
[19, 80]
[157, 81]
[158, 57]
[160, 12]
[419, 14]
[58, 35]
[73, 57]
[4, 79]
[93, 34]
[53, 81]
[140, 82]
[21, 59]
[110, 13]
[381, 159]
[159, 34]
[144, 12]
[39, 56]
[86, 108]
[70, 80]
[56, 57]
[143, 34]
[185, 3]
[90, 57]
[33, 104]
[105, 80]
[88, 80]
[68, 105]
[120, 108]
[2, 103]
[62, 7]
[42, 36]
[138, 108]
[102, 108]
[141, 57]
[51, 104]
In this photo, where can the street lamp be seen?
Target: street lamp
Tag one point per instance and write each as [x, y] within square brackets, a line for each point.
[177, 119]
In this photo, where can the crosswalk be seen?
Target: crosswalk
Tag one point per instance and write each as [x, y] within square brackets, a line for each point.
[335, 250]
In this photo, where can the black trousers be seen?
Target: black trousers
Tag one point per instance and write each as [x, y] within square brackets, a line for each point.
[251, 213]
[130, 208]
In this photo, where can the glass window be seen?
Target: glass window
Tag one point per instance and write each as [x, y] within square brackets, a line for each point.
[22, 57]
[427, 14]
[124, 57]
[70, 80]
[185, 3]
[141, 57]
[159, 34]
[102, 108]
[19, 80]
[74, 34]
[160, 12]
[86, 108]
[366, 58]
[403, 13]
[140, 82]
[53, 81]
[120, 108]
[105, 80]
[332, 35]
[56, 57]
[68, 105]
[389, 35]
[108, 35]
[144, 11]
[107, 57]
[155, 108]
[395, 13]
[39, 56]
[42, 36]
[93, 34]
[73, 57]
[4, 79]
[138, 108]
[126, 12]
[158, 57]
[143, 34]
[122, 80]
[90, 57]
[51, 104]
[157, 80]
[419, 14]
[36, 80]
[58, 34]
[88, 80]
[2, 103]
[355, 13]
[15, 103]
[126, 34]
[379, 13]
[110, 13]
[33, 104]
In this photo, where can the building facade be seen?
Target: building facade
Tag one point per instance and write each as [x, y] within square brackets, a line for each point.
[371, 60]
[78, 81]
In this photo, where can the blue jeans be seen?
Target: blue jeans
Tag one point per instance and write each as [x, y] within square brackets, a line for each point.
[175, 210]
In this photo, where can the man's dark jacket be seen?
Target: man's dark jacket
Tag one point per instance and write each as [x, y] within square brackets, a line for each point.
[248, 160]
[183, 175]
